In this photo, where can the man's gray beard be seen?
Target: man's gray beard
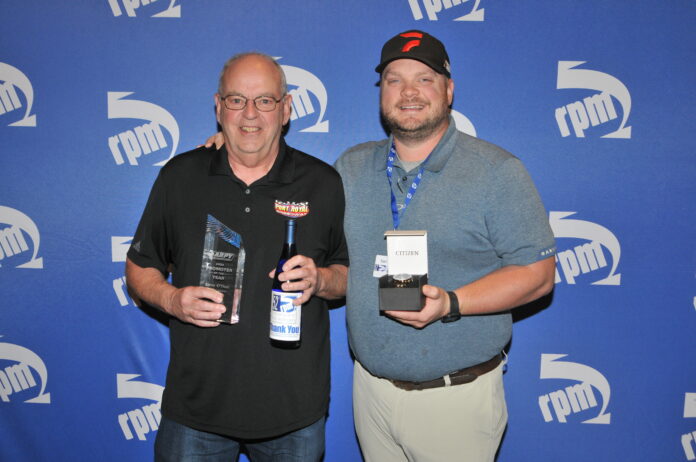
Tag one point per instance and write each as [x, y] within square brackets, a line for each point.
[417, 133]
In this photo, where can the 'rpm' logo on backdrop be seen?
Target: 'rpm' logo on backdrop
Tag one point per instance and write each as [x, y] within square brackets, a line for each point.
[574, 399]
[308, 87]
[130, 6]
[12, 80]
[463, 123]
[16, 377]
[19, 240]
[433, 7]
[688, 440]
[588, 259]
[595, 110]
[119, 250]
[142, 420]
[143, 139]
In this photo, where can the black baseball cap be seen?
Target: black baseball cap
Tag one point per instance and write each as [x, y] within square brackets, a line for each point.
[418, 45]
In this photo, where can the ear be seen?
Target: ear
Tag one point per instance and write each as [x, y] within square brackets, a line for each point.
[450, 91]
[218, 106]
[287, 108]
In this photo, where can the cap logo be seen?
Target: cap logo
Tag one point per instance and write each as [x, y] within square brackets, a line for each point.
[411, 43]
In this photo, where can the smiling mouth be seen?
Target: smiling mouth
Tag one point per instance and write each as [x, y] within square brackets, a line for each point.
[250, 129]
[413, 106]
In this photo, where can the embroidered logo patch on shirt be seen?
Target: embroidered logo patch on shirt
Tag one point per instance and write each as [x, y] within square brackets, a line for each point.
[292, 209]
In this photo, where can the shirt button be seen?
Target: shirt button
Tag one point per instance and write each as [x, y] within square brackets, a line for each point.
[404, 179]
[247, 209]
[247, 191]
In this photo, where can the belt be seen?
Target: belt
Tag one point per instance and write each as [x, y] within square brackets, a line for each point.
[466, 375]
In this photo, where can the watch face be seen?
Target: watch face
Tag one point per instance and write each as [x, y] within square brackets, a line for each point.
[402, 280]
[451, 317]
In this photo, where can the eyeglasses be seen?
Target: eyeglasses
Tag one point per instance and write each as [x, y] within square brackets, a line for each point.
[239, 102]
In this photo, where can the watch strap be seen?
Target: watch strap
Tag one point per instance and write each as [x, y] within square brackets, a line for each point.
[454, 313]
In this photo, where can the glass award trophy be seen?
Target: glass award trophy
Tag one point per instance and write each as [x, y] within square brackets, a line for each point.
[222, 266]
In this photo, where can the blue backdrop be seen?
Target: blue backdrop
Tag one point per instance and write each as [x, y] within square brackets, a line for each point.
[595, 97]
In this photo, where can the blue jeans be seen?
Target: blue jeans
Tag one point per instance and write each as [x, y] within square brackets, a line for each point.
[179, 443]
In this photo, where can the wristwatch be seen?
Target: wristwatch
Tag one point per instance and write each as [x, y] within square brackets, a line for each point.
[402, 280]
[454, 313]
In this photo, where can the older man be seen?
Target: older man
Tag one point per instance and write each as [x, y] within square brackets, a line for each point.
[428, 384]
[226, 384]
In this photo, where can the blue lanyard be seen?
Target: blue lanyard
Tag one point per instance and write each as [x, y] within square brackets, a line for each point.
[396, 218]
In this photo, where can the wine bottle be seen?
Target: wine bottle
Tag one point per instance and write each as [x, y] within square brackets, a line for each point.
[285, 317]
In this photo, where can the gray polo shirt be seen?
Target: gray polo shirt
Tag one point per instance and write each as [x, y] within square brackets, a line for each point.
[481, 211]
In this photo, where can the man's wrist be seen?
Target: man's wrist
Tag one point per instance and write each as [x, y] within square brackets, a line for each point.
[320, 280]
[453, 314]
[167, 300]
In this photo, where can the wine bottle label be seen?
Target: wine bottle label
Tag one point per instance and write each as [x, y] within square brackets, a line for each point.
[285, 317]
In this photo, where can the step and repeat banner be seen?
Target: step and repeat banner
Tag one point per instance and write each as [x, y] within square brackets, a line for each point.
[595, 97]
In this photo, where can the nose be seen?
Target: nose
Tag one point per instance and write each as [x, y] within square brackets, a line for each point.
[250, 111]
[409, 90]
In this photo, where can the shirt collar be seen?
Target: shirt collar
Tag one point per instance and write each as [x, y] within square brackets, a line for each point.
[282, 171]
[438, 158]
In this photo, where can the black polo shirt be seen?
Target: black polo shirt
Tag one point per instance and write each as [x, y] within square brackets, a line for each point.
[229, 379]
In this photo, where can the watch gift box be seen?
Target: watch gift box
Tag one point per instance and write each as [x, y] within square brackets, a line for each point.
[407, 271]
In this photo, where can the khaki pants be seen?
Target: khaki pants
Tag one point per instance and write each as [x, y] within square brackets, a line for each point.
[457, 423]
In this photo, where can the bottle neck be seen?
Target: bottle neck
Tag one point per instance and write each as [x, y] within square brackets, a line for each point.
[290, 232]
